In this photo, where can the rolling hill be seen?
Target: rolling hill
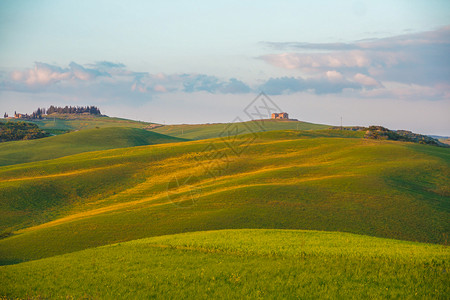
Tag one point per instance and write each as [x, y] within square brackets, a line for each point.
[230, 264]
[206, 131]
[314, 180]
[62, 123]
[77, 142]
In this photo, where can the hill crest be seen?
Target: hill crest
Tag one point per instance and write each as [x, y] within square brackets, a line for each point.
[78, 142]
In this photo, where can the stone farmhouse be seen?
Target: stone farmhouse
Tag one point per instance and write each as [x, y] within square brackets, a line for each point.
[282, 115]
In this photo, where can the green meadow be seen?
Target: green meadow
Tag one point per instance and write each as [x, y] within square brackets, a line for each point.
[62, 123]
[77, 142]
[207, 131]
[230, 264]
[92, 133]
[284, 179]
[316, 213]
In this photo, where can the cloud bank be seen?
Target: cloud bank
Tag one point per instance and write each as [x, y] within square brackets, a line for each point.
[112, 80]
[412, 66]
[420, 60]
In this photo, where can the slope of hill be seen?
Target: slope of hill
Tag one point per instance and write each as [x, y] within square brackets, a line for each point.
[382, 133]
[286, 179]
[206, 131]
[62, 123]
[445, 141]
[15, 131]
[77, 142]
[232, 264]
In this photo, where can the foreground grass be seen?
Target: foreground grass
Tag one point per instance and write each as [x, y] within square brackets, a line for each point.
[234, 264]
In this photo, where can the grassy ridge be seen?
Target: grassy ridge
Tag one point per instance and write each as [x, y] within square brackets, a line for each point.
[61, 123]
[286, 179]
[206, 131]
[233, 264]
[78, 142]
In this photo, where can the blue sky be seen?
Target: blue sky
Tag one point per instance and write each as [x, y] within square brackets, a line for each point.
[371, 62]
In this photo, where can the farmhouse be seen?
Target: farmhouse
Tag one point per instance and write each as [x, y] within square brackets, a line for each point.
[19, 115]
[282, 115]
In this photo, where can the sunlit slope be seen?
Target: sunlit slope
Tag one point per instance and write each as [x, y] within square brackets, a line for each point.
[287, 180]
[76, 142]
[67, 122]
[206, 131]
[230, 264]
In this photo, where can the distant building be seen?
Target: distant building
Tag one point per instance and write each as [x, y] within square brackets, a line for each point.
[20, 116]
[282, 115]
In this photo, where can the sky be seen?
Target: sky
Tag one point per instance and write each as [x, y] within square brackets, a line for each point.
[369, 62]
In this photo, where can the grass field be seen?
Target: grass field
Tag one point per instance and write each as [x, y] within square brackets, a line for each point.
[206, 131]
[77, 142]
[230, 264]
[63, 123]
[285, 179]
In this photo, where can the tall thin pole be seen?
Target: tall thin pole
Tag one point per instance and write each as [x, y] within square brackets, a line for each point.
[341, 123]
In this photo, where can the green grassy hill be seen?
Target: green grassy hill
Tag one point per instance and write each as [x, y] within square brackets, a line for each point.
[77, 142]
[286, 180]
[61, 123]
[16, 131]
[206, 131]
[234, 264]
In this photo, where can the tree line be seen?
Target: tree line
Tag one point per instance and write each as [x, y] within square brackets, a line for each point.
[40, 112]
[93, 110]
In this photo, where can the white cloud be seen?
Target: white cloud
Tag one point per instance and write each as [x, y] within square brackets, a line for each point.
[46, 74]
[366, 80]
[396, 90]
[307, 61]
[334, 75]
[42, 74]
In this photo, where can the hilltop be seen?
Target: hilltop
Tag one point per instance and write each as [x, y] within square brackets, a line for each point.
[41, 113]
[206, 131]
[66, 122]
[63, 123]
